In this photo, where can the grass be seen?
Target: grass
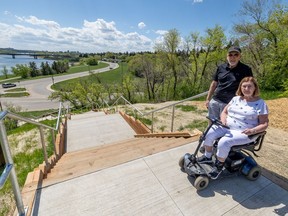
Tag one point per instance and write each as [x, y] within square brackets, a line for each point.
[18, 94]
[145, 121]
[199, 124]
[9, 76]
[26, 127]
[82, 68]
[270, 95]
[187, 108]
[114, 76]
[16, 90]
[38, 114]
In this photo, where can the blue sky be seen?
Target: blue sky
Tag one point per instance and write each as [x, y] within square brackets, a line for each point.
[108, 25]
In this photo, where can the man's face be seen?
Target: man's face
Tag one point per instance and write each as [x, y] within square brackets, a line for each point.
[233, 58]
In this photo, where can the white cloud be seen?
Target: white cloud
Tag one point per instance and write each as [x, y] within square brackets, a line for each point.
[7, 13]
[161, 32]
[141, 25]
[96, 36]
[35, 21]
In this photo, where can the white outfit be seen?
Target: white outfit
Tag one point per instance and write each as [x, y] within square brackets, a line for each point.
[241, 115]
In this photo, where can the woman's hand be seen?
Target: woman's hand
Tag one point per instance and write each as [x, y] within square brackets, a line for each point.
[223, 116]
[249, 131]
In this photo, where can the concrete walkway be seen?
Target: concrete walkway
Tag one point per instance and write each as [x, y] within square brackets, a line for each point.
[95, 128]
[154, 185]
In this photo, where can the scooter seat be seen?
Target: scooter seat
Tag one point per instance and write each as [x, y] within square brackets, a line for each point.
[251, 146]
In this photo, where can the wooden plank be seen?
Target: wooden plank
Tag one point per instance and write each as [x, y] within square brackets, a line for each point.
[29, 190]
[89, 157]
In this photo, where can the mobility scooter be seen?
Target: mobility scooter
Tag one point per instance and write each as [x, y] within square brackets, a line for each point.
[238, 160]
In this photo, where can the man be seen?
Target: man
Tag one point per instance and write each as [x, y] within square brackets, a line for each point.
[225, 82]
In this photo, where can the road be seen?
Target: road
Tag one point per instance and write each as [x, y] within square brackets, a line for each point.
[39, 91]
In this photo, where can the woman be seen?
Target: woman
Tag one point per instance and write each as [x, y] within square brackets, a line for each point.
[245, 114]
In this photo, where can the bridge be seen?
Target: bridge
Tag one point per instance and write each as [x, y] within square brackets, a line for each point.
[36, 55]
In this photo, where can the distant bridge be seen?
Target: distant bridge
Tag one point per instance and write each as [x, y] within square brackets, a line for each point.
[35, 56]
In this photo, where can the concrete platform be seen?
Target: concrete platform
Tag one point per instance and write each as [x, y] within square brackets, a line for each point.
[95, 128]
[154, 185]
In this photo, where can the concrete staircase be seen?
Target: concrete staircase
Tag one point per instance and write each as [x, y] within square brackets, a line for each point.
[138, 174]
[82, 162]
[96, 141]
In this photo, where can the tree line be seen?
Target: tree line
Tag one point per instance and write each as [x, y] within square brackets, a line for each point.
[171, 73]
[181, 67]
[31, 70]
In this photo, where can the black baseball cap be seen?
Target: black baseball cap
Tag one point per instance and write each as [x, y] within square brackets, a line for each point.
[234, 49]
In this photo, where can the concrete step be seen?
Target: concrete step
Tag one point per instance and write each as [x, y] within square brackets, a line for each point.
[83, 162]
[86, 115]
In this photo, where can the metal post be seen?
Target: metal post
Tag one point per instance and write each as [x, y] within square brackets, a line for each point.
[172, 120]
[53, 141]
[13, 177]
[52, 79]
[43, 145]
[152, 124]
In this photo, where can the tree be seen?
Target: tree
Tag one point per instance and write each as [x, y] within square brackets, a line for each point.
[264, 34]
[11, 123]
[128, 88]
[21, 70]
[199, 60]
[214, 53]
[92, 60]
[81, 94]
[5, 72]
[169, 47]
[33, 69]
[59, 67]
[147, 66]
[45, 68]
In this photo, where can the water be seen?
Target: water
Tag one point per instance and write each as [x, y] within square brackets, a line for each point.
[8, 61]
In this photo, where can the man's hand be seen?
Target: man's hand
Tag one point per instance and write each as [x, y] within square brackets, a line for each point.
[207, 103]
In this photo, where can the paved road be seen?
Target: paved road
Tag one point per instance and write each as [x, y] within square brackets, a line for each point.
[40, 90]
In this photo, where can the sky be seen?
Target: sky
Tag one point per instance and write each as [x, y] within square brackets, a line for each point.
[108, 25]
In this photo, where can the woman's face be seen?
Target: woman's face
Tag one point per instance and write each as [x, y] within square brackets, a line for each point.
[248, 88]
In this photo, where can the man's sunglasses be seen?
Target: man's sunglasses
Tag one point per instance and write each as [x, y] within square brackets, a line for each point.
[235, 55]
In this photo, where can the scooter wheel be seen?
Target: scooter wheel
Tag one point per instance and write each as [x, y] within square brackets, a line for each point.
[201, 182]
[181, 163]
[254, 173]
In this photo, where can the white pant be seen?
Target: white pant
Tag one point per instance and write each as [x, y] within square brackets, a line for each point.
[229, 138]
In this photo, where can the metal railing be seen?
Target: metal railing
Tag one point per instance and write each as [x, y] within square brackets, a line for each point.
[156, 110]
[9, 170]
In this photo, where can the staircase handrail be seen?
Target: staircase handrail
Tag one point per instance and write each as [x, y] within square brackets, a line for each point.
[9, 170]
[161, 108]
[130, 104]
[176, 103]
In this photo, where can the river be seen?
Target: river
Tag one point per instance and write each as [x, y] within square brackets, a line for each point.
[8, 61]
